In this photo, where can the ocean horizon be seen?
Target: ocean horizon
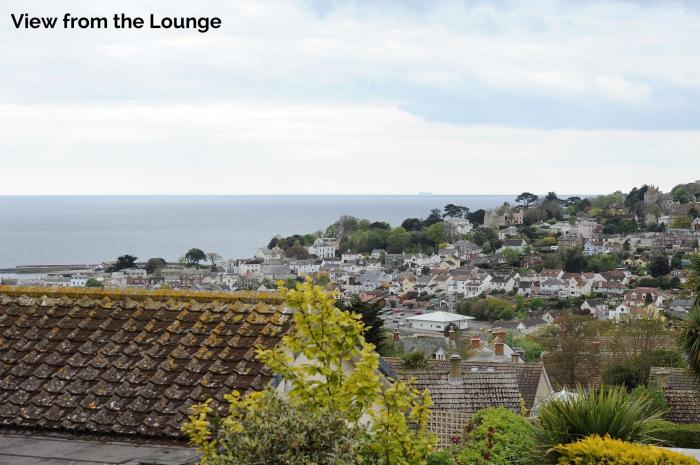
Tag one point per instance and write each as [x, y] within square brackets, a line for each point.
[57, 230]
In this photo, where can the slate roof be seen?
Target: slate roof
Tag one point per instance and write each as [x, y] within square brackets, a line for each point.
[524, 377]
[682, 394]
[131, 363]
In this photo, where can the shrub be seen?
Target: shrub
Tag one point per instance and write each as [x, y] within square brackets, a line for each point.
[414, 360]
[596, 450]
[673, 435]
[277, 431]
[657, 399]
[603, 411]
[499, 437]
[441, 458]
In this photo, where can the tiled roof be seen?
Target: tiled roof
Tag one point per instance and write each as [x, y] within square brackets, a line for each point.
[496, 381]
[127, 362]
[682, 393]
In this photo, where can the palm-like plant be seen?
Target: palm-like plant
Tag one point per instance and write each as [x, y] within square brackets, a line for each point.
[693, 277]
[690, 339]
[602, 411]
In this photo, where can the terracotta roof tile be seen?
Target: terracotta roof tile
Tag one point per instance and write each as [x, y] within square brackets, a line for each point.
[128, 363]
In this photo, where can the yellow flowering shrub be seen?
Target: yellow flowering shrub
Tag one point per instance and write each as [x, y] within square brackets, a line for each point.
[596, 450]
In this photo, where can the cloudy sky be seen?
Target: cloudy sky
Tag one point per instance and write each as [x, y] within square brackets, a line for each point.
[353, 97]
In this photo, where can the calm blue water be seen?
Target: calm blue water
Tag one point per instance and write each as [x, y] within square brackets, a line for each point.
[87, 230]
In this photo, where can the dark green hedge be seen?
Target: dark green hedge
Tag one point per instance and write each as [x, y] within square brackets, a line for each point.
[673, 435]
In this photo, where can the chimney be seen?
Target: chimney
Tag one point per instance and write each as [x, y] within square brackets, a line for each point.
[453, 336]
[498, 348]
[475, 342]
[662, 378]
[595, 347]
[499, 335]
[455, 369]
[514, 357]
[397, 337]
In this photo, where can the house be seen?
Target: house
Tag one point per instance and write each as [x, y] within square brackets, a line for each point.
[551, 286]
[596, 307]
[505, 283]
[90, 366]
[438, 321]
[324, 247]
[459, 388]
[461, 226]
[681, 305]
[517, 245]
[681, 391]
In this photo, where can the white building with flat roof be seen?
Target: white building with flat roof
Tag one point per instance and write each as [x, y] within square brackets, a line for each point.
[438, 321]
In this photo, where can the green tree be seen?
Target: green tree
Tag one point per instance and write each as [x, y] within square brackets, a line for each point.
[412, 224]
[92, 282]
[123, 262]
[326, 341]
[369, 314]
[690, 339]
[682, 222]
[436, 233]
[435, 216]
[659, 266]
[573, 259]
[680, 195]
[155, 264]
[526, 199]
[398, 240]
[194, 256]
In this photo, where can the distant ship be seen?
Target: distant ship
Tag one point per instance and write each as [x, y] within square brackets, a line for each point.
[425, 193]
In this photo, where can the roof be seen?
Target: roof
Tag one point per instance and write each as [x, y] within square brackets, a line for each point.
[524, 377]
[443, 317]
[131, 363]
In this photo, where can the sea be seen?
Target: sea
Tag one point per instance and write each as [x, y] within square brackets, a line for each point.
[60, 230]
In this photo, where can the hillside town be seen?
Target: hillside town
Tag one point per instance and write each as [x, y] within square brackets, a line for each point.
[612, 256]
[494, 316]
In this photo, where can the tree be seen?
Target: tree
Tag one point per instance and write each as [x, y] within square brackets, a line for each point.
[690, 339]
[123, 262]
[92, 282]
[682, 222]
[412, 224]
[155, 264]
[369, 314]
[573, 259]
[551, 196]
[477, 217]
[435, 216]
[194, 256]
[398, 240]
[435, 233]
[693, 277]
[571, 343]
[659, 266]
[297, 251]
[526, 199]
[680, 195]
[452, 210]
[213, 257]
[319, 383]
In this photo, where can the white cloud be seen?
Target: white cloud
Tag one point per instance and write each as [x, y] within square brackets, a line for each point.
[246, 147]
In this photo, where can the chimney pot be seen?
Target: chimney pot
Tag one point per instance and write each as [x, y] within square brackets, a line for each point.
[455, 369]
[662, 376]
[595, 347]
[498, 348]
[397, 336]
[515, 358]
[475, 342]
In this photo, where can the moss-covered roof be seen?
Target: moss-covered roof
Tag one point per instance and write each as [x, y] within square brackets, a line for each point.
[128, 361]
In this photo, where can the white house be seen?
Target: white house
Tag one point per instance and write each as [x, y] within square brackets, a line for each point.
[461, 225]
[438, 321]
[324, 247]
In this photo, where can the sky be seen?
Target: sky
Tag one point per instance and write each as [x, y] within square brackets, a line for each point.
[353, 97]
